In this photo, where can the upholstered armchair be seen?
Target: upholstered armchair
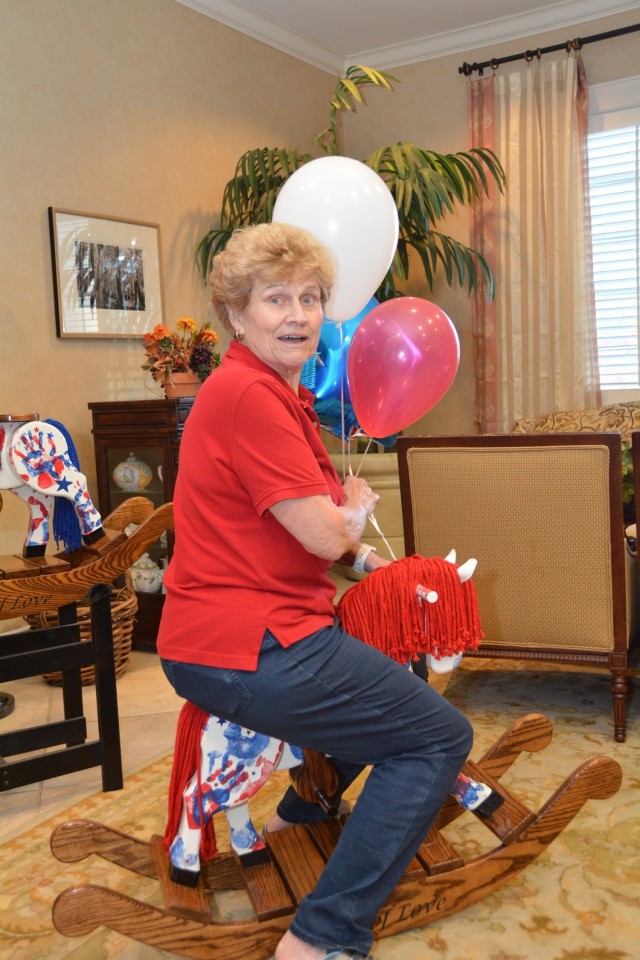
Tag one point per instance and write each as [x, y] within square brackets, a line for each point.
[543, 515]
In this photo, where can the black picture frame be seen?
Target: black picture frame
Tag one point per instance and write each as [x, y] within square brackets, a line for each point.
[106, 275]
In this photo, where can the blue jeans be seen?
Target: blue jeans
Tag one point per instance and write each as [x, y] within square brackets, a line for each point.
[333, 693]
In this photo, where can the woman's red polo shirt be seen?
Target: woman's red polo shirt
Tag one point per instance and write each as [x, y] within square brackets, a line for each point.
[248, 443]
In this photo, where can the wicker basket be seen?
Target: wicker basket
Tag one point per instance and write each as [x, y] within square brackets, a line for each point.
[124, 606]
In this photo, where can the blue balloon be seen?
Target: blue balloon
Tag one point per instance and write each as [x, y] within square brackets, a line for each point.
[331, 373]
[327, 377]
[332, 418]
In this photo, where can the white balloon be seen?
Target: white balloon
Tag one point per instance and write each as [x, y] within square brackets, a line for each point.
[349, 207]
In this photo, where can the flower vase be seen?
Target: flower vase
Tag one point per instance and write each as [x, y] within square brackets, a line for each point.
[181, 385]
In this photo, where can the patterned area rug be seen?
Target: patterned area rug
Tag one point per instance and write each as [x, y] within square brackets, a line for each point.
[579, 901]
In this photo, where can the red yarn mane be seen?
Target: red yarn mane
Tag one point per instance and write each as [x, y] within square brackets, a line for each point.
[386, 612]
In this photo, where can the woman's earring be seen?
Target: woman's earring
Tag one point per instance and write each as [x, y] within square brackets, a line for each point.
[239, 336]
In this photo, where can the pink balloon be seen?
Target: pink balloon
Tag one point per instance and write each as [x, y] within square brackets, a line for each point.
[403, 358]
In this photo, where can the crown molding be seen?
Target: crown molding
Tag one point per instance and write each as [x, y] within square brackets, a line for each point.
[267, 30]
[557, 17]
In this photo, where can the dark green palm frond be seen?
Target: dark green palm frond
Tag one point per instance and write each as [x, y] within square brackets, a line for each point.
[480, 157]
[422, 191]
[468, 171]
[249, 197]
[425, 187]
[460, 263]
[259, 177]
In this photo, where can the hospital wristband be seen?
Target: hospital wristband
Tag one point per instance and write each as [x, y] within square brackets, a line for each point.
[361, 556]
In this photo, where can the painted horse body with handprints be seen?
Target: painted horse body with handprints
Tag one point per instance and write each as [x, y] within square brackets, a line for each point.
[39, 464]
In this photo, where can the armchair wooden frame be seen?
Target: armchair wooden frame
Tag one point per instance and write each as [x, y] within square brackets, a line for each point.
[543, 515]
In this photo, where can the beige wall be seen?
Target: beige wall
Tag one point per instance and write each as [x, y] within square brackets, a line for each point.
[139, 109]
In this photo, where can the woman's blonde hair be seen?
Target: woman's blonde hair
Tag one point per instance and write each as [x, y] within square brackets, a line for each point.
[270, 252]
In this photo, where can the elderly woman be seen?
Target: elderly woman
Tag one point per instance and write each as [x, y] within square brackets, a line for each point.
[249, 631]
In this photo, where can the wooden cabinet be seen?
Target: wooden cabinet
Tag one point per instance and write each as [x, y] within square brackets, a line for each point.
[145, 434]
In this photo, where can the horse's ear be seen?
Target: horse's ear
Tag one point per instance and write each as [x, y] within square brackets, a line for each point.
[467, 569]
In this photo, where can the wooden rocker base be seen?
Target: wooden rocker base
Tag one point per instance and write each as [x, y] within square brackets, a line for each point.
[437, 883]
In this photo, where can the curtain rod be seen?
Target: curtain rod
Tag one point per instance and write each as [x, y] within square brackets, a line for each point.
[469, 68]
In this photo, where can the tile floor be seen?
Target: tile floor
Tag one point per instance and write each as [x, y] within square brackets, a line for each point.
[148, 710]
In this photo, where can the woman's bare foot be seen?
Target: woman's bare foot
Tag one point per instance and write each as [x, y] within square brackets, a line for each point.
[292, 948]
[276, 823]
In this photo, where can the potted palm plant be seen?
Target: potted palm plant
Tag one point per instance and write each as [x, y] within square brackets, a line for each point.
[425, 186]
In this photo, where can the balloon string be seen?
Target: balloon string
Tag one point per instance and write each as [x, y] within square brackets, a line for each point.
[346, 444]
[366, 451]
[342, 416]
[374, 522]
[376, 527]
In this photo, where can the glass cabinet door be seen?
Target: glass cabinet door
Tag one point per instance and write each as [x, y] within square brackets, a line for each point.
[138, 470]
[137, 444]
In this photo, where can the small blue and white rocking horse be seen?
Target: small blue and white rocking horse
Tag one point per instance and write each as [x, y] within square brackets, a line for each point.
[39, 463]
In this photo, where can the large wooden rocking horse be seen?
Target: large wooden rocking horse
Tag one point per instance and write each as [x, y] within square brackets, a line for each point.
[437, 883]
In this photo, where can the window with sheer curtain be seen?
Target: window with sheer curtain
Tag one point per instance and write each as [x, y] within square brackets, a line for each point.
[614, 195]
[535, 344]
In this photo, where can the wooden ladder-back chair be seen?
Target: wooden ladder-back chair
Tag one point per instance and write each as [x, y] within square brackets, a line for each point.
[30, 653]
[56, 583]
[543, 515]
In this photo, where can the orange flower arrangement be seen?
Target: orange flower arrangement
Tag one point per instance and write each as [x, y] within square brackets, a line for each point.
[191, 348]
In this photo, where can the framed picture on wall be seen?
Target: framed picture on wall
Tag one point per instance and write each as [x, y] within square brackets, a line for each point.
[106, 275]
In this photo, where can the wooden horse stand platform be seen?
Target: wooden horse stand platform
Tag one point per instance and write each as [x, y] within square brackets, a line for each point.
[438, 882]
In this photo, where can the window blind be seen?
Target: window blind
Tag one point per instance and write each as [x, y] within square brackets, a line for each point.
[614, 196]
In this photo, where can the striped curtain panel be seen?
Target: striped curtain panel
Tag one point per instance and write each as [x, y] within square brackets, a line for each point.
[535, 348]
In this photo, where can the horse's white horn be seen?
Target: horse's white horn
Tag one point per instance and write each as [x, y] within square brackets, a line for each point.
[467, 569]
[451, 557]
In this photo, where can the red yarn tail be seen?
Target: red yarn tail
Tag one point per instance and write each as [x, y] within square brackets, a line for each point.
[187, 760]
